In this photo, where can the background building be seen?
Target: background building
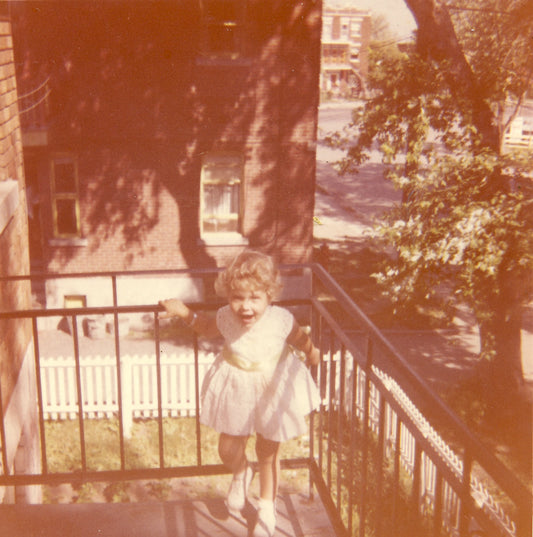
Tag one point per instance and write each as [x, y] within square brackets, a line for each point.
[167, 134]
[345, 40]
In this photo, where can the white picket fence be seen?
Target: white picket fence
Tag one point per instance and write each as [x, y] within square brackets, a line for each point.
[99, 390]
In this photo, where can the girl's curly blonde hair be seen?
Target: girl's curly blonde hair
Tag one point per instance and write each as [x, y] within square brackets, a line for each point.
[250, 270]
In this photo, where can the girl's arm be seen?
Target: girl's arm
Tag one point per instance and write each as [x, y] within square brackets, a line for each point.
[199, 322]
[299, 339]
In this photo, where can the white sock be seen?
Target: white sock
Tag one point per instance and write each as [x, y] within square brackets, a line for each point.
[268, 505]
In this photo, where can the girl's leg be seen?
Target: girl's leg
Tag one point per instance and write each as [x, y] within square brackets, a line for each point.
[269, 467]
[232, 451]
[268, 458]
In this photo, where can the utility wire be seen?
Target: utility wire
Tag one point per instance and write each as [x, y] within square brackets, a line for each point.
[382, 44]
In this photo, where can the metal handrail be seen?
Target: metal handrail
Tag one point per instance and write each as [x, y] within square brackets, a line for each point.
[348, 371]
[499, 471]
[473, 449]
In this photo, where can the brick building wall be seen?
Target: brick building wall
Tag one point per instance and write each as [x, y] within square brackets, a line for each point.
[138, 104]
[16, 363]
[15, 335]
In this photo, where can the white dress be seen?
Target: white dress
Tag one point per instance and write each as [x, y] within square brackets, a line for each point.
[257, 385]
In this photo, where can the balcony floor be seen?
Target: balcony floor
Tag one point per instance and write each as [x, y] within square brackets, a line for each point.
[298, 516]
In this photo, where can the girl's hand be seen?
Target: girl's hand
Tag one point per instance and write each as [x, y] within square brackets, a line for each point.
[174, 308]
[313, 358]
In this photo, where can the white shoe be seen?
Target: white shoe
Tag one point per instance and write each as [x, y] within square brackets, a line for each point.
[266, 519]
[238, 490]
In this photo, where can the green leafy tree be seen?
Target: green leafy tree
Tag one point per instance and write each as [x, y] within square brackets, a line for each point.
[463, 233]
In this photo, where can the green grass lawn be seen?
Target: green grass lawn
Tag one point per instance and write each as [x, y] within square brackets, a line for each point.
[142, 451]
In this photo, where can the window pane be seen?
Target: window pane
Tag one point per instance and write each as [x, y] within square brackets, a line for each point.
[67, 222]
[336, 27]
[222, 174]
[213, 225]
[64, 178]
[221, 199]
[222, 168]
[221, 191]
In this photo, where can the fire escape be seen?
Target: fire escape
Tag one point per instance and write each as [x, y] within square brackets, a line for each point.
[377, 453]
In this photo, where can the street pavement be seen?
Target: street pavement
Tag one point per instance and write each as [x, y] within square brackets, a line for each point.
[347, 206]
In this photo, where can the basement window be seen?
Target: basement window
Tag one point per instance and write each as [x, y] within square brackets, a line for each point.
[74, 301]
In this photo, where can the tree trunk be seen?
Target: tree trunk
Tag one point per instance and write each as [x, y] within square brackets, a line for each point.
[501, 346]
[501, 333]
[436, 39]
[501, 352]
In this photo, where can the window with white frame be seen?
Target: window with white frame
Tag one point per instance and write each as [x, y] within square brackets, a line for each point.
[65, 197]
[221, 193]
[223, 27]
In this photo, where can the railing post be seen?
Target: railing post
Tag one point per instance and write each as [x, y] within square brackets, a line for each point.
[79, 391]
[159, 393]
[437, 518]
[366, 437]
[120, 397]
[39, 387]
[3, 436]
[416, 487]
[466, 499]
[332, 372]
[197, 402]
[379, 461]
[353, 439]
[126, 375]
[340, 428]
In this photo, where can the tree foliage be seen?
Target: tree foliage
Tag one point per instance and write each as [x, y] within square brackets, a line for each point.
[439, 108]
[454, 242]
[497, 39]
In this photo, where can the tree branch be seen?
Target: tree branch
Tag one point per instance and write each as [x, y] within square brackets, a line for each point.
[437, 40]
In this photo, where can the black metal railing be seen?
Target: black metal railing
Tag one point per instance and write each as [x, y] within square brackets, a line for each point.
[386, 455]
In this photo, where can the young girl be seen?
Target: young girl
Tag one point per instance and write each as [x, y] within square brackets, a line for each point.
[256, 384]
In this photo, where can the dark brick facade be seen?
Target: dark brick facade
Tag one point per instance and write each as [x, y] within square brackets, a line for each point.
[14, 334]
[137, 102]
[20, 440]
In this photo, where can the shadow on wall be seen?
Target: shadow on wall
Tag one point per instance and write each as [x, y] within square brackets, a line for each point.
[129, 96]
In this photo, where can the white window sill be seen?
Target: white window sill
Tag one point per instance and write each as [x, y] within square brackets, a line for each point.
[68, 242]
[9, 201]
[223, 239]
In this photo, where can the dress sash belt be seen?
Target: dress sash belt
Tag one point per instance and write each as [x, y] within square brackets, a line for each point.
[264, 365]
